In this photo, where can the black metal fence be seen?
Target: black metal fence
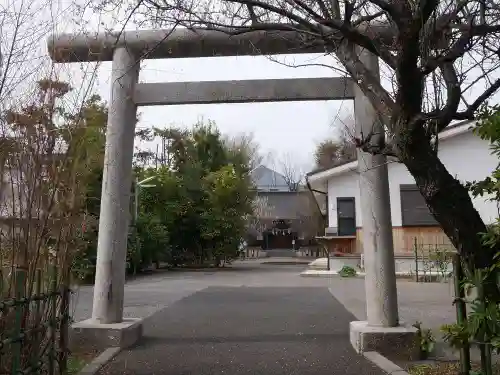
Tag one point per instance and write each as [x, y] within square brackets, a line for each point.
[34, 320]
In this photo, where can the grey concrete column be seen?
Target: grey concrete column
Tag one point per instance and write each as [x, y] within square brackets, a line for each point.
[380, 279]
[116, 183]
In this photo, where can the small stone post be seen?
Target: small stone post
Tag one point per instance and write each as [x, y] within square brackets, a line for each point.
[115, 201]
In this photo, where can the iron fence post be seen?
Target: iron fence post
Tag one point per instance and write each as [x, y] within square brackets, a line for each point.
[38, 319]
[63, 331]
[20, 281]
[53, 319]
[415, 250]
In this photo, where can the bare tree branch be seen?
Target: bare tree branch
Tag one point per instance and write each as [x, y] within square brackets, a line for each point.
[291, 171]
[399, 11]
[481, 99]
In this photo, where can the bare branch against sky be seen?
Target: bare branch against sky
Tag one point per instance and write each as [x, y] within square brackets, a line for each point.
[446, 72]
[24, 28]
[291, 170]
[338, 148]
[247, 143]
[21, 38]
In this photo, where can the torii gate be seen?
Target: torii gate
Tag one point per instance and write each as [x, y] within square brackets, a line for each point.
[125, 50]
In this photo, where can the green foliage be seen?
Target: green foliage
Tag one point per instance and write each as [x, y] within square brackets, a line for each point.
[488, 128]
[200, 197]
[194, 209]
[83, 264]
[483, 319]
[208, 147]
[482, 326]
[153, 239]
[228, 201]
[51, 148]
[90, 140]
[456, 335]
[347, 271]
[75, 365]
[426, 340]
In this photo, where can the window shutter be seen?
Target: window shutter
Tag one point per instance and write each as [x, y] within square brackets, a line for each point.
[414, 209]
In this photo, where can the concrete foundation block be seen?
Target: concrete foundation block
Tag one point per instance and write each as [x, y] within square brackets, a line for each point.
[397, 342]
[89, 334]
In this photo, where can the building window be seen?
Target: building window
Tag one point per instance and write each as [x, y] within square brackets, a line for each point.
[346, 216]
[414, 210]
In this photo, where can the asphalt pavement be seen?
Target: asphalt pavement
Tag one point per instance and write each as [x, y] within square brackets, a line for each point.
[237, 330]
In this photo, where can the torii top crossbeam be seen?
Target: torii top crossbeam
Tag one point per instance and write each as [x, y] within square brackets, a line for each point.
[181, 43]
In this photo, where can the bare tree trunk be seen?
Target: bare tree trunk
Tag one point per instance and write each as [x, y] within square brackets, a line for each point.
[449, 202]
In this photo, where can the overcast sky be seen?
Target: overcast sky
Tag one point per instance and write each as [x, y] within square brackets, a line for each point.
[285, 130]
[292, 128]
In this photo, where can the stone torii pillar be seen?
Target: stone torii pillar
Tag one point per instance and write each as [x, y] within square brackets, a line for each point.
[378, 248]
[107, 326]
[115, 200]
[381, 332]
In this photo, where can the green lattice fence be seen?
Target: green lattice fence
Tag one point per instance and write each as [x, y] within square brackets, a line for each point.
[34, 318]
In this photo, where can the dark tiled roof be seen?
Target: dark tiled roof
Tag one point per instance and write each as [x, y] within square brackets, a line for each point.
[287, 205]
[265, 178]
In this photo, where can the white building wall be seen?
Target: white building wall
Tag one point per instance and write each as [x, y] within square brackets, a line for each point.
[466, 156]
[345, 185]
[14, 190]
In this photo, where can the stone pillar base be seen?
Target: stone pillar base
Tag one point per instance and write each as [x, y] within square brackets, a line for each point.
[397, 342]
[89, 334]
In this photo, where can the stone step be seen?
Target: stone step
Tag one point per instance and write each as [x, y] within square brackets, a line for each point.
[280, 253]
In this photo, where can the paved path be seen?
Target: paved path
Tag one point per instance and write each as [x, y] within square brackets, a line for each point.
[149, 294]
[247, 330]
[430, 303]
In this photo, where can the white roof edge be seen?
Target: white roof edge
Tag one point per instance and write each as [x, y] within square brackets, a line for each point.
[257, 167]
[353, 165]
[348, 167]
[457, 130]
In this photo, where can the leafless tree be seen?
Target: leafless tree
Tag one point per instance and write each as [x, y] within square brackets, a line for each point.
[24, 28]
[44, 170]
[291, 171]
[337, 150]
[310, 221]
[262, 213]
[47, 156]
[332, 152]
[247, 143]
[443, 58]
